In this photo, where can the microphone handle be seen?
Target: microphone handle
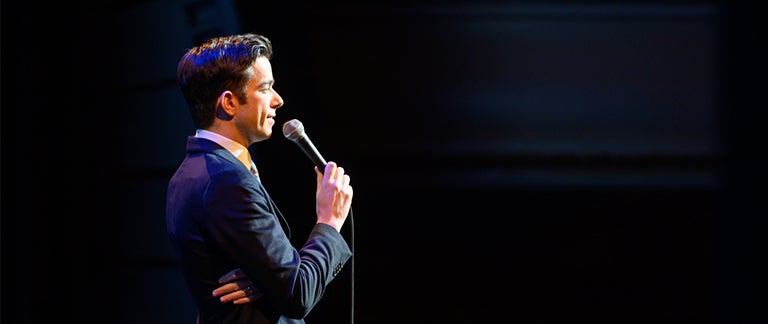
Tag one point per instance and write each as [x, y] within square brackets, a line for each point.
[309, 149]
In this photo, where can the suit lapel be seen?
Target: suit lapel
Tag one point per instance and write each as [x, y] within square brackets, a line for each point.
[278, 214]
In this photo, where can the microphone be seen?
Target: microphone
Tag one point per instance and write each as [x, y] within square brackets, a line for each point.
[294, 131]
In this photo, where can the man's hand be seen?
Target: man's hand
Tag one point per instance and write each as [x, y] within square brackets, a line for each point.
[237, 288]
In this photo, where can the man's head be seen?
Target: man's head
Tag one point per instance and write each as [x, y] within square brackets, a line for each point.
[229, 80]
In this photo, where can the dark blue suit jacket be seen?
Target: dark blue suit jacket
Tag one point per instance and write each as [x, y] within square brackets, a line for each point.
[219, 217]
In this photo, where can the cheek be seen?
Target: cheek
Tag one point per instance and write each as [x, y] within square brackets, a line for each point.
[258, 101]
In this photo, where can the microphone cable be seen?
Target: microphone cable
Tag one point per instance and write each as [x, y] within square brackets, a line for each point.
[352, 267]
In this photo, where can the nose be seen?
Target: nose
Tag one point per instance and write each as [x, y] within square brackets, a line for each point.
[277, 101]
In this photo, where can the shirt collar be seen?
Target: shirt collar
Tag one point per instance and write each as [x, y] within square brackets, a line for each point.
[237, 149]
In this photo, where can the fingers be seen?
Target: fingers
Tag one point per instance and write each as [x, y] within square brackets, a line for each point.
[231, 276]
[249, 299]
[320, 176]
[335, 175]
[232, 287]
[225, 289]
[330, 169]
[231, 292]
[342, 181]
[236, 288]
[338, 178]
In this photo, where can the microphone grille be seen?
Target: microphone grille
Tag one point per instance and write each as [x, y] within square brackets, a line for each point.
[293, 129]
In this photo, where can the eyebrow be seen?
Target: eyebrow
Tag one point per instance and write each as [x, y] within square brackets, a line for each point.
[267, 83]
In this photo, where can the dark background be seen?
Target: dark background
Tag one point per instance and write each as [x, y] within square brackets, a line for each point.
[547, 162]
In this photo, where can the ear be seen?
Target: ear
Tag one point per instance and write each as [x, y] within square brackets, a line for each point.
[228, 103]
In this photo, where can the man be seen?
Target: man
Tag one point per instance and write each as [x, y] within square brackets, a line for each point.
[219, 216]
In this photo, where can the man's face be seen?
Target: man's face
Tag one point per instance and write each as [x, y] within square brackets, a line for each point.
[256, 116]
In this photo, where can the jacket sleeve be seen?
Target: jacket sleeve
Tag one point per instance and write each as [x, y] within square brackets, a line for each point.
[243, 223]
